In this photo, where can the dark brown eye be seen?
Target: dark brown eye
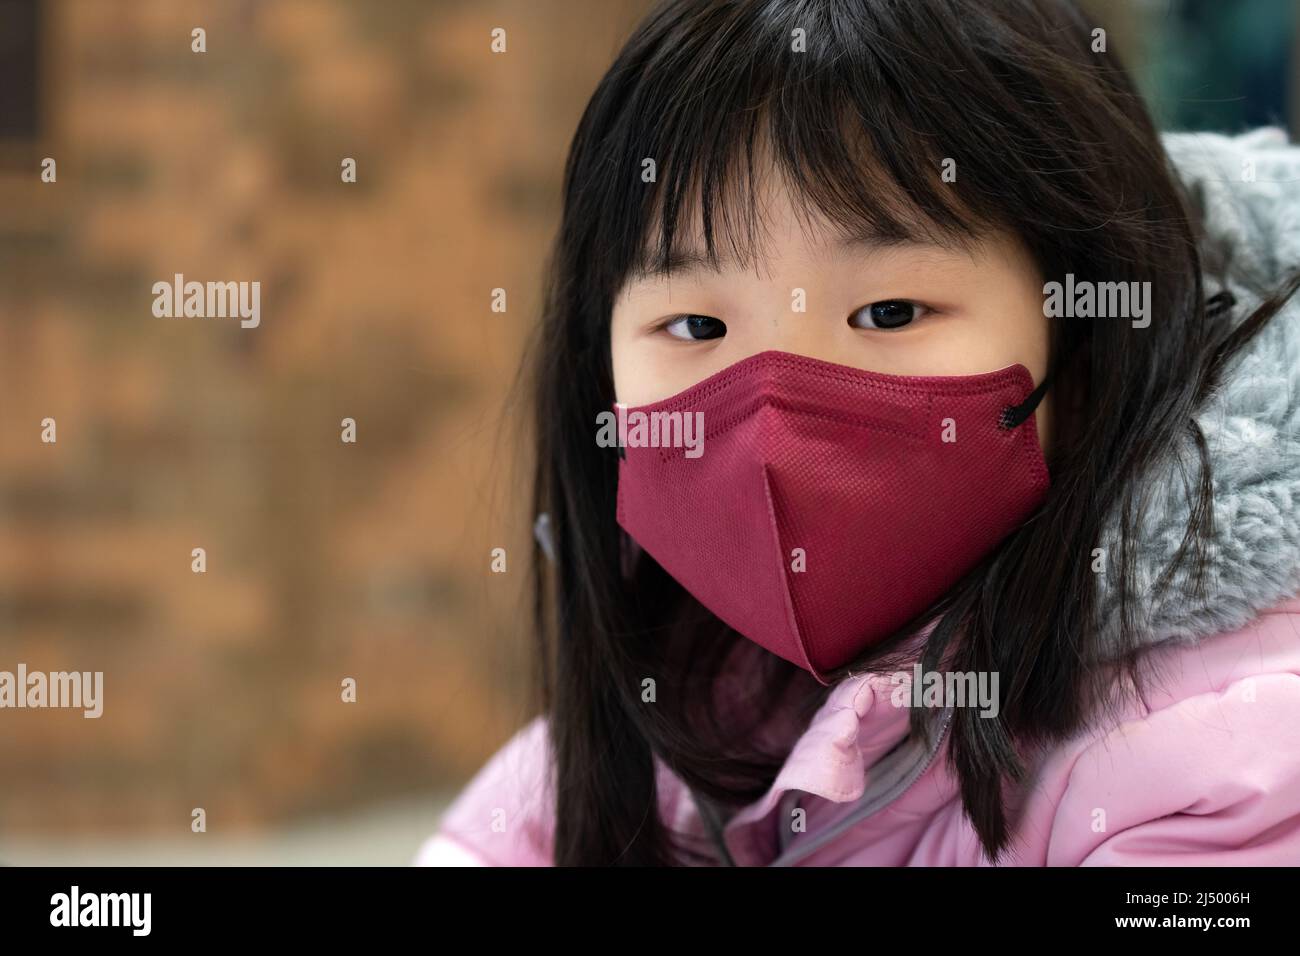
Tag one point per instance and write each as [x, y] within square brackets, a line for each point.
[889, 314]
[696, 327]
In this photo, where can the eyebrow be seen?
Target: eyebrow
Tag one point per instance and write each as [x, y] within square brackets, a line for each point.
[649, 265]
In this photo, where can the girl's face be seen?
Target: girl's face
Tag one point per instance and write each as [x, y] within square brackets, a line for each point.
[901, 309]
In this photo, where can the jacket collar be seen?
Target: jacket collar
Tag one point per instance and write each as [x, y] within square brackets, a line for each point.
[835, 759]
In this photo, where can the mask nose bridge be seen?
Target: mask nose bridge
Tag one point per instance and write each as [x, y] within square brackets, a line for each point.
[768, 393]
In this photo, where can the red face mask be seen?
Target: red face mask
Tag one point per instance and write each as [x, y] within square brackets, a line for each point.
[828, 506]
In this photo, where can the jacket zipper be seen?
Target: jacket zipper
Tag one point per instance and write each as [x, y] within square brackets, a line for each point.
[785, 860]
[938, 746]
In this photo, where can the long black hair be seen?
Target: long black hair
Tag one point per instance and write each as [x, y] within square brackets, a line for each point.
[1051, 143]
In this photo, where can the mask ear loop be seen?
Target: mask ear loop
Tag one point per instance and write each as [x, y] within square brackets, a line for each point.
[1015, 415]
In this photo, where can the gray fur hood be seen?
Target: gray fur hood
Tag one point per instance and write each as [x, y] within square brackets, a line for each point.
[1251, 423]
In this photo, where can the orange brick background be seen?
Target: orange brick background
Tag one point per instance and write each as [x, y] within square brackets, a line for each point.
[325, 560]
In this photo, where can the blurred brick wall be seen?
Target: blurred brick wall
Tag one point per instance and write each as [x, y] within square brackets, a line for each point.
[325, 560]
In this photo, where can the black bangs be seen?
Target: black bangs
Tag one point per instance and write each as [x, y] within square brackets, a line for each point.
[891, 121]
[860, 127]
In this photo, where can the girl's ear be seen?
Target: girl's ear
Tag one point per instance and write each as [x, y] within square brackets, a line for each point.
[542, 532]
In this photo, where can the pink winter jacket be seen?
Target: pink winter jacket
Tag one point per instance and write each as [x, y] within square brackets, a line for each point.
[1205, 770]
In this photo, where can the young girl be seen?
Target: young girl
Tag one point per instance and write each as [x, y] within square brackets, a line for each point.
[988, 548]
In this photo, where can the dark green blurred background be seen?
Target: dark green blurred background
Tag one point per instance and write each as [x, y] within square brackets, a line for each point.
[1224, 65]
